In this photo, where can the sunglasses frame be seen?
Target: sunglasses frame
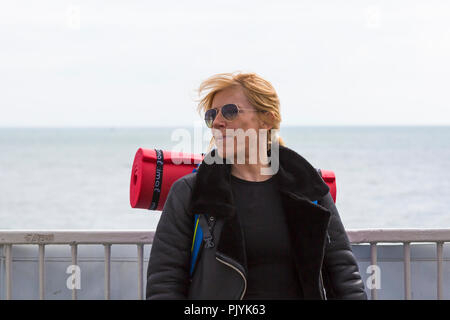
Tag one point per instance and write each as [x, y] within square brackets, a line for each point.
[234, 115]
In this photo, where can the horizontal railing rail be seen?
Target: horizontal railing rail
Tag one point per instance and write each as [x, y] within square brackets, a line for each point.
[76, 236]
[398, 235]
[107, 238]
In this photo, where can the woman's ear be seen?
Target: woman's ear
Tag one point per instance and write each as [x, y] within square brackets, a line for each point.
[266, 120]
[268, 126]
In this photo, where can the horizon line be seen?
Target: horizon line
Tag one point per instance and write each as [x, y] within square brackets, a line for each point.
[187, 126]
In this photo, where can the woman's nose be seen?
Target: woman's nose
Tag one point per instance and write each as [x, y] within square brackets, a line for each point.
[219, 121]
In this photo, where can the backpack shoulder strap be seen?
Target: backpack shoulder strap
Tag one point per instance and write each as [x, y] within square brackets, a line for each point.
[202, 234]
[196, 243]
[197, 239]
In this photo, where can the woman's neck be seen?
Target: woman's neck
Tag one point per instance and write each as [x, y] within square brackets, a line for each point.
[250, 172]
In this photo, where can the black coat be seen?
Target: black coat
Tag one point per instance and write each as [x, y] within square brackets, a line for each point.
[327, 268]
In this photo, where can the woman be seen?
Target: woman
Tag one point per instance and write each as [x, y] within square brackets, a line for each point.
[265, 236]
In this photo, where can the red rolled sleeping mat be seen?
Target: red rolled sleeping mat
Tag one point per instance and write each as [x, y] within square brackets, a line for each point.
[330, 179]
[154, 171]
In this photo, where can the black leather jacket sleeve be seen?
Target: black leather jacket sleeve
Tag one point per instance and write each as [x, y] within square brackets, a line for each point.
[341, 276]
[168, 267]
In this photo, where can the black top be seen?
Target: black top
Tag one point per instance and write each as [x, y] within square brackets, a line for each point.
[271, 268]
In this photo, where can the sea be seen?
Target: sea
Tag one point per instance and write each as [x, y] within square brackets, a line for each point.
[79, 178]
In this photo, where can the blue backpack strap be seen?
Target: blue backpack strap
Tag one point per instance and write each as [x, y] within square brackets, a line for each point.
[196, 244]
[196, 240]
[317, 202]
[320, 174]
[202, 238]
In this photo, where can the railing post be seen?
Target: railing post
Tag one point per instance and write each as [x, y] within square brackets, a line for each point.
[439, 249]
[41, 271]
[74, 251]
[373, 261]
[407, 269]
[107, 271]
[8, 249]
[140, 248]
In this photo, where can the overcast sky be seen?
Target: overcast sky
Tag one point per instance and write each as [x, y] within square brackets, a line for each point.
[139, 63]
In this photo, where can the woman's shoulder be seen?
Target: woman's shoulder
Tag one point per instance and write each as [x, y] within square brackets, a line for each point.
[182, 187]
[186, 181]
[179, 196]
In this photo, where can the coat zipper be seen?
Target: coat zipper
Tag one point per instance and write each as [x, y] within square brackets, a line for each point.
[209, 243]
[238, 271]
[207, 230]
[323, 286]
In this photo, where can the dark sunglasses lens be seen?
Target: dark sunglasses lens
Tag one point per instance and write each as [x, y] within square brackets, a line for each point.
[210, 115]
[230, 111]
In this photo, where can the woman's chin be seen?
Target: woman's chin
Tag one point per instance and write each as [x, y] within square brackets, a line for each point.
[224, 153]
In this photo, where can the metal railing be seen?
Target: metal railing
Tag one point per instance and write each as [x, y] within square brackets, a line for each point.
[406, 237]
[8, 238]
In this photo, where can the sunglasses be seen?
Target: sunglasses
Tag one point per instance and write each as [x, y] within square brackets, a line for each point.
[229, 112]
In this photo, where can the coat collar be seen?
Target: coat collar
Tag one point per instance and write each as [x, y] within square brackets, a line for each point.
[212, 192]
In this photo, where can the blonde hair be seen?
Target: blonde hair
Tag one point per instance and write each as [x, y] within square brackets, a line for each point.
[259, 92]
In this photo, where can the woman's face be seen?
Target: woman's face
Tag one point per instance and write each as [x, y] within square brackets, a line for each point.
[231, 142]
